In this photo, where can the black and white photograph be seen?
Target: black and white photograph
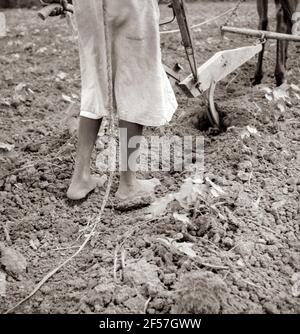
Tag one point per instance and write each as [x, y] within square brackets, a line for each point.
[150, 160]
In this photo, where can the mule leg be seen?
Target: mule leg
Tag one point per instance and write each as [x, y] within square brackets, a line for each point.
[262, 9]
[289, 31]
[294, 7]
[282, 27]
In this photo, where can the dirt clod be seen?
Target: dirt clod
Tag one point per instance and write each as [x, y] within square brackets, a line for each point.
[13, 262]
[199, 293]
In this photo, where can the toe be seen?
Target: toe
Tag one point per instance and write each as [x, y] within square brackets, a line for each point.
[79, 190]
[142, 188]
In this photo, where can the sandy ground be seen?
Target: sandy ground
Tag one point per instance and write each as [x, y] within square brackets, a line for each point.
[233, 247]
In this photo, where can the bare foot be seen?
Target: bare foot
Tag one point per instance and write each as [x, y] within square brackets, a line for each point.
[139, 188]
[79, 189]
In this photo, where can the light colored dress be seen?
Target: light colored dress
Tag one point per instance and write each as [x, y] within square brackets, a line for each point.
[143, 93]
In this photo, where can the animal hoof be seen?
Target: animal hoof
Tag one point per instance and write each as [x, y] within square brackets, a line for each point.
[279, 79]
[256, 80]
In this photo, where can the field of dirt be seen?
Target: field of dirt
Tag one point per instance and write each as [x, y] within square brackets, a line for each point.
[226, 244]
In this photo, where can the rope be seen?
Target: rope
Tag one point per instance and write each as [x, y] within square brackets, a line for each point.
[201, 23]
[113, 116]
[98, 217]
[234, 11]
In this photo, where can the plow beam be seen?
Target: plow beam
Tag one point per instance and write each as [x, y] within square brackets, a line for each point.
[217, 68]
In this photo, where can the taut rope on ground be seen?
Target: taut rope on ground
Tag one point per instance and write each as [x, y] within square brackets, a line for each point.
[98, 217]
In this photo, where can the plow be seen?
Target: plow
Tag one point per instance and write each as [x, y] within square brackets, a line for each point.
[203, 78]
[200, 83]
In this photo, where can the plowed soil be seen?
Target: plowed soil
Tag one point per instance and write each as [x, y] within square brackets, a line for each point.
[244, 250]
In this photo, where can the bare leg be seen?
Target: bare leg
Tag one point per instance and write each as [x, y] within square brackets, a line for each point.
[130, 187]
[82, 181]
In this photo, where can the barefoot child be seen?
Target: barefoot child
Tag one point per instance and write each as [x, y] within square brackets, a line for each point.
[143, 95]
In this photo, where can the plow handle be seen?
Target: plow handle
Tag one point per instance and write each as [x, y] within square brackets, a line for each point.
[45, 12]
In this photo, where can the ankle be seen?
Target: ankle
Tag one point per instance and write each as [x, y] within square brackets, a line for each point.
[82, 174]
[127, 178]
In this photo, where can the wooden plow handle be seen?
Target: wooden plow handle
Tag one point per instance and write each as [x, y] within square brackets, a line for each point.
[186, 33]
[261, 34]
[45, 12]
